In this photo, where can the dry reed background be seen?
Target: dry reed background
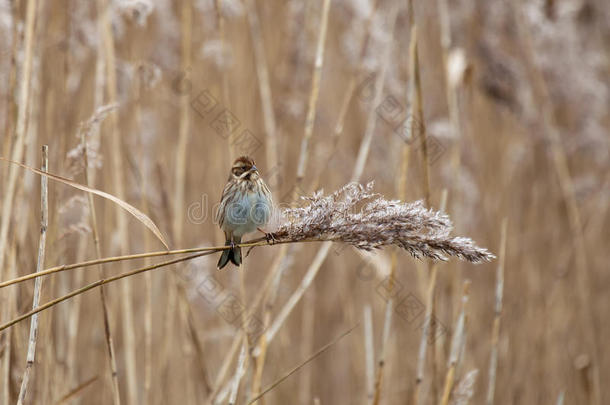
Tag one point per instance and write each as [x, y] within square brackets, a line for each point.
[515, 101]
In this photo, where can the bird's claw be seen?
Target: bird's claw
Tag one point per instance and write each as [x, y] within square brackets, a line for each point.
[268, 237]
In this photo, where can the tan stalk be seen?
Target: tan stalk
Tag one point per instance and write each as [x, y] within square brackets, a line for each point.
[44, 222]
[99, 283]
[76, 392]
[8, 308]
[264, 88]
[74, 315]
[104, 303]
[129, 328]
[418, 131]
[371, 122]
[8, 195]
[184, 126]
[21, 126]
[308, 331]
[65, 267]
[148, 281]
[313, 95]
[297, 368]
[224, 50]
[240, 370]
[401, 190]
[224, 369]
[457, 345]
[9, 125]
[369, 351]
[495, 335]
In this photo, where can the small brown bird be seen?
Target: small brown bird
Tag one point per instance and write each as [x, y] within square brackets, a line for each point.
[245, 206]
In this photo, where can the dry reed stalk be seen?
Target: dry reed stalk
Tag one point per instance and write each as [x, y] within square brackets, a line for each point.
[297, 368]
[9, 125]
[262, 72]
[224, 369]
[183, 334]
[17, 153]
[401, 191]
[387, 324]
[73, 321]
[44, 222]
[73, 394]
[371, 121]
[349, 93]
[105, 30]
[98, 252]
[495, 336]
[7, 311]
[199, 350]
[267, 297]
[226, 100]
[240, 370]
[21, 125]
[105, 260]
[451, 88]
[426, 331]
[178, 293]
[93, 131]
[184, 123]
[242, 364]
[99, 283]
[313, 95]
[548, 120]
[418, 129]
[369, 352]
[139, 215]
[148, 282]
[308, 329]
[457, 344]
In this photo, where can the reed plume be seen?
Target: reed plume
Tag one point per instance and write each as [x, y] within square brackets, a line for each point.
[361, 218]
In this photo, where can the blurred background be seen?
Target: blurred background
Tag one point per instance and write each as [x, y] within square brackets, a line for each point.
[512, 97]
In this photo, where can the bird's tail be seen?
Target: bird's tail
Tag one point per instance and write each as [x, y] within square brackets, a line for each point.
[230, 255]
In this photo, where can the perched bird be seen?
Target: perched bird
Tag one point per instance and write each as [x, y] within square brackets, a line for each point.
[245, 206]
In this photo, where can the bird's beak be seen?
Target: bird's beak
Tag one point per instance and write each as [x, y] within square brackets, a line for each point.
[253, 169]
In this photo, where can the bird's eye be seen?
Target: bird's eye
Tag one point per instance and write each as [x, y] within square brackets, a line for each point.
[237, 171]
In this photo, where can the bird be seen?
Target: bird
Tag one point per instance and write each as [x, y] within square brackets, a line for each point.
[245, 206]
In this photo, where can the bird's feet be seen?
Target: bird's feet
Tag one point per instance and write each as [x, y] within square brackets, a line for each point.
[268, 237]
